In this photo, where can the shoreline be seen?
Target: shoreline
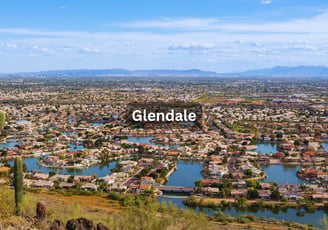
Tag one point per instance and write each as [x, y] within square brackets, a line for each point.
[65, 167]
[230, 202]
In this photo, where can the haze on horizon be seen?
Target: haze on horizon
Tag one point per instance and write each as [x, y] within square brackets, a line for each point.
[221, 36]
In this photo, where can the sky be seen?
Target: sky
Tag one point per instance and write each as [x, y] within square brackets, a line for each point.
[216, 35]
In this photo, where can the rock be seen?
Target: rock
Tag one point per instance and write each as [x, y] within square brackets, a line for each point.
[80, 224]
[57, 225]
[41, 210]
[100, 226]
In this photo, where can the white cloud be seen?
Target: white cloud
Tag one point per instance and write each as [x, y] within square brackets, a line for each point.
[266, 2]
[169, 23]
[217, 44]
[91, 51]
[315, 24]
[191, 46]
[4, 45]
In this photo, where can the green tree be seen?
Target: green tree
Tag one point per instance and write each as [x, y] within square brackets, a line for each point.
[275, 195]
[2, 119]
[253, 194]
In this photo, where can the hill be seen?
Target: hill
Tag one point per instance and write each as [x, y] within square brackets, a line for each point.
[116, 72]
[296, 71]
[278, 71]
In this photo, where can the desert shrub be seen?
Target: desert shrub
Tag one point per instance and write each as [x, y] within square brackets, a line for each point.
[7, 203]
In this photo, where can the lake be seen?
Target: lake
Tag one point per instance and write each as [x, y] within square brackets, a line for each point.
[21, 121]
[8, 145]
[283, 174]
[147, 140]
[101, 171]
[188, 172]
[75, 148]
[288, 215]
[96, 124]
[265, 148]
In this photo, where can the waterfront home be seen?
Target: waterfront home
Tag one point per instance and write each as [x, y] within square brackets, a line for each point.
[42, 184]
[89, 186]
[292, 196]
[82, 178]
[130, 163]
[208, 191]
[115, 177]
[319, 160]
[286, 188]
[239, 184]
[265, 186]
[59, 177]
[292, 159]
[147, 180]
[265, 194]
[144, 187]
[65, 185]
[217, 171]
[320, 197]
[287, 146]
[40, 176]
[117, 187]
[27, 182]
[239, 193]
[209, 182]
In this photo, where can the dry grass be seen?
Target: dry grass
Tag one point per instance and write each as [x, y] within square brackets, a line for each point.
[111, 213]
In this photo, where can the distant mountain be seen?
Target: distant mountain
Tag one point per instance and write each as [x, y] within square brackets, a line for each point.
[116, 72]
[296, 71]
[279, 71]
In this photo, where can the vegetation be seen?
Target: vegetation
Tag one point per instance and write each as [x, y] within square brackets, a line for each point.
[2, 119]
[18, 184]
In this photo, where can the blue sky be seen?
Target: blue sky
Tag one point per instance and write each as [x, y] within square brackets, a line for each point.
[218, 35]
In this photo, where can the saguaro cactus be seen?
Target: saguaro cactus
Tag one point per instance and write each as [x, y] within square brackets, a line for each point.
[18, 184]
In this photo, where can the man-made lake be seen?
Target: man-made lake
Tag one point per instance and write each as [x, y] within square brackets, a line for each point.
[8, 145]
[97, 124]
[266, 148]
[75, 148]
[188, 172]
[283, 174]
[288, 215]
[146, 140]
[68, 133]
[21, 121]
[101, 171]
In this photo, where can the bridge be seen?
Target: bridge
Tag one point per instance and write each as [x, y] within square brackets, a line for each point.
[165, 188]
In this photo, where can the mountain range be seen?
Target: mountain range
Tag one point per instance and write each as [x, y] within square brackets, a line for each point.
[296, 71]
[278, 71]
